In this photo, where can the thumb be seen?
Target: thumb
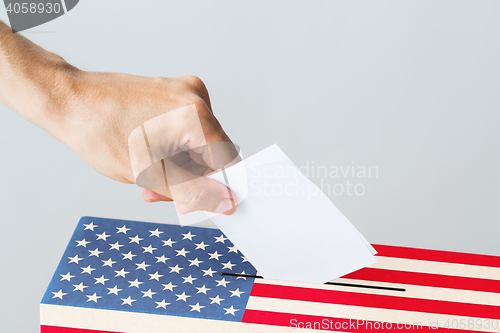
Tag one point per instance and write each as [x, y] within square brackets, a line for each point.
[203, 194]
[196, 192]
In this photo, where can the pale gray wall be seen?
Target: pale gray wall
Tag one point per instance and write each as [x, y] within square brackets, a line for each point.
[411, 87]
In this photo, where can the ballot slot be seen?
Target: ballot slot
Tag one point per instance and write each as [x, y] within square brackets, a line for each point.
[353, 285]
[365, 286]
[243, 275]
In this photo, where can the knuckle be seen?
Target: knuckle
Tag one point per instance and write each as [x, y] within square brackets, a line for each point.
[199, 104]
[195, 83]
[160, 80]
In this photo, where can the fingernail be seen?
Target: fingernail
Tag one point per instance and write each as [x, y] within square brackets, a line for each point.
[224, 206]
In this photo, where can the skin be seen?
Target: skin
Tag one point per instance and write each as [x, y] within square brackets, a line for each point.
[93, 113]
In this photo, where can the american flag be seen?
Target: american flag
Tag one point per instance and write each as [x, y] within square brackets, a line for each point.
[127, 276]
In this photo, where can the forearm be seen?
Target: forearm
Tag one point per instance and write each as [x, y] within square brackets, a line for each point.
[34, 83]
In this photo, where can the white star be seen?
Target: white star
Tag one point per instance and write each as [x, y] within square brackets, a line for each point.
[142, 266]
[176, 269]
[155, 276]
[201, 245]
[135, 239]
[169, 286]
[95, 253]
[162, 304]
[121, 273]
[220, 239]
[189, 279]
[214, 255]
[149, 249]
[59, 294]
[90, 226]
[169, 242]
[182, 296]
[155, 233]
[216, 299]
[93, 298]
[123, 229]
[236, 292]
[135, 283]
[148, 293]
[203, 289]
[114, 290]
[108, 262]
[195, 262]
[244, 259]
[242, 277]
[222, 282]
[83, 243]
[115, 246]
[162, 259]
[67, 277]
[102, 280]
[127, 300]
[80, 287]
[230, 310]
[228, 265]
[87, 269]
[209, 271]
[103, 236]
[232, 249]
[75, 259]
[196, 307]
[189, 236]
[182, 252]
[128, 256]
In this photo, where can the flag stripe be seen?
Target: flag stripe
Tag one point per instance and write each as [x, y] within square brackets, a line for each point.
[365, 313]
[421, 266]
[433, 293]
[102, 320]
[59, 329]
[438, 256]
[425, 279]
[375, 301]
[334, 323]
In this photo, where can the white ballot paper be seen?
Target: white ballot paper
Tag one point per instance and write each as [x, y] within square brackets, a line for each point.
[285, 225]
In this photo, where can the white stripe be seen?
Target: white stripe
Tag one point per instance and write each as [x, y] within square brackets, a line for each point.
[133, 322]
[355, 312]
[412, 291]
[432, 267]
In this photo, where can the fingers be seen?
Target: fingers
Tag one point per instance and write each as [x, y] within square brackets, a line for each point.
[198, 193]
[192, 192]
[196, 168]
[204, 194]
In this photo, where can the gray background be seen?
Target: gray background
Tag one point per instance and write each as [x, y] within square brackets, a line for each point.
[409, 87]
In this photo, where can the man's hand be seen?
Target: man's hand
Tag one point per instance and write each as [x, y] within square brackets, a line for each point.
[94, 113]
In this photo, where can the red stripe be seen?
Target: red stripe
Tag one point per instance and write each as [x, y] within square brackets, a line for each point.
[293, 320]
[425, 279]
[58, 329]
[375, 301]
[438, 256]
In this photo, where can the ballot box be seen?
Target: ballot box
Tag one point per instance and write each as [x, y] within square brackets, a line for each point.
[128, 276]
